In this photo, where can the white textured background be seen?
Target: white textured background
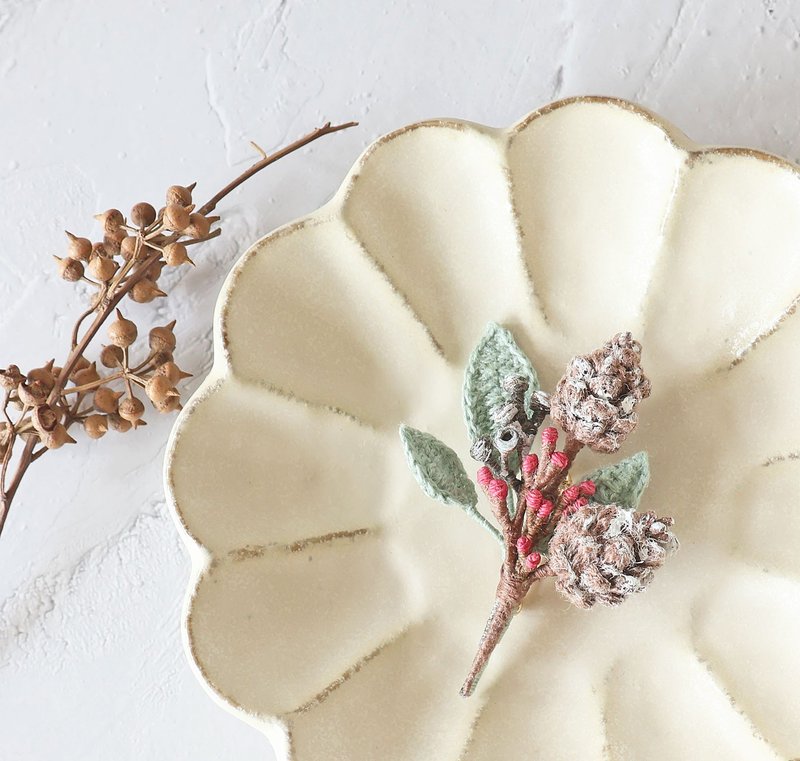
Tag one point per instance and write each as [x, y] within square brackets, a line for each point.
[106, 103]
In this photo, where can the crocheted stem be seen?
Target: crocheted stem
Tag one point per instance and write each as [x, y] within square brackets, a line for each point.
[572, 447]
[510, 594]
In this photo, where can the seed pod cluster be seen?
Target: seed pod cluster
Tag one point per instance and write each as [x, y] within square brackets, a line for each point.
[126, 241]
[98, 396]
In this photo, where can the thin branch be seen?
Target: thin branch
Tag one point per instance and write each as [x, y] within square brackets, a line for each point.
[325, 129]
[104, 303]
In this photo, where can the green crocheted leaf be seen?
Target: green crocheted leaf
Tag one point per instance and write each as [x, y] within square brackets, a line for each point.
[441, 475]
[496, 357]
[622, 484]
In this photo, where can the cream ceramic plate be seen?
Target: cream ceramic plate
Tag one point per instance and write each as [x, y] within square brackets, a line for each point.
[338, 608]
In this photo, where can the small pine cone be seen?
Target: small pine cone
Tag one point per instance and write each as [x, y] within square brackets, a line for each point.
[596, 400]
[603, 553]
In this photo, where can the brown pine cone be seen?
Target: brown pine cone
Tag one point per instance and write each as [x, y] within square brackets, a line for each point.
[603, 553]
[595, 402]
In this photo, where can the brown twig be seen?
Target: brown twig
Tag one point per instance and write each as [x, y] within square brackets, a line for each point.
[516, 578]
[134, 271]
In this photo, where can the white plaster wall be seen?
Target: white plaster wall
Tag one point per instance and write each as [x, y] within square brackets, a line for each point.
[106, 103]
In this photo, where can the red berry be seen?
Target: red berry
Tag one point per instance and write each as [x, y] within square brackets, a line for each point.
[545, 510]
[560, 460]
[533, 499]
[524, 545]
[588, 488]
[550, 436]
[484, 475]
[571, 493]
[580, 502]
[530, 464]
[497, 488]
[532, 561]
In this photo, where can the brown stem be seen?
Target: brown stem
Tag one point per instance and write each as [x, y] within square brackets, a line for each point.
[107, 302]
[92, 384]
[571, 449]
[510, 593]
[8, 494]
[325, 129]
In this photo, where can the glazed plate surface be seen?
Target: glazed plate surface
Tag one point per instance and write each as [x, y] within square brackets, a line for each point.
[337, 608]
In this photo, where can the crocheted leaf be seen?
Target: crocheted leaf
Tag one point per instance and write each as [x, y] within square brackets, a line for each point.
[441, 475]
[495, 358]
[622, 484]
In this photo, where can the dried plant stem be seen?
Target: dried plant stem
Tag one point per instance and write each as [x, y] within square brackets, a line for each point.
[103, 305]
[515, 580]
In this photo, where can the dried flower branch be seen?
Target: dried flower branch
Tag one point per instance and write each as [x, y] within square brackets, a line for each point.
[598, 548]
[42, 407]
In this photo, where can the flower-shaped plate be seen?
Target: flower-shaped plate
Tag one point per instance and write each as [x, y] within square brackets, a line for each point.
[336, 607]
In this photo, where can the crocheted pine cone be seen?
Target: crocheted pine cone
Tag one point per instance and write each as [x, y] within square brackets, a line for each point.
[603, 553]
[596, 399]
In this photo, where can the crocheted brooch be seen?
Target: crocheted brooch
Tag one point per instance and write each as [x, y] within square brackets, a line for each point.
[587, 535]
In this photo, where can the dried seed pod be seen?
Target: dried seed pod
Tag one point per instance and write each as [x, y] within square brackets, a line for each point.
[162, 338]
[70, 269]
[159, 389]
[170, 404]
[198, 226]
[102, 268]
[122, 332]
[515, 386]
[172, 372]
[143, 214]
[111, 220]
[56, 438]
[507, 439]
[131, 409]
[95, 426]
[86, 375]
[128, 247]
[44, 375]
[176, 254]
[111, 356]
[45, 418]
[79, 248]
[99, 249]
[113, 241]
[177, 194]
[160, 357]
[154, 270]
[33, 393]
[176, 217]
[119, 424]
[80, 364]
[106, 399]
[145, 291]
[482, 449]
[11, 377]
[505, 414]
